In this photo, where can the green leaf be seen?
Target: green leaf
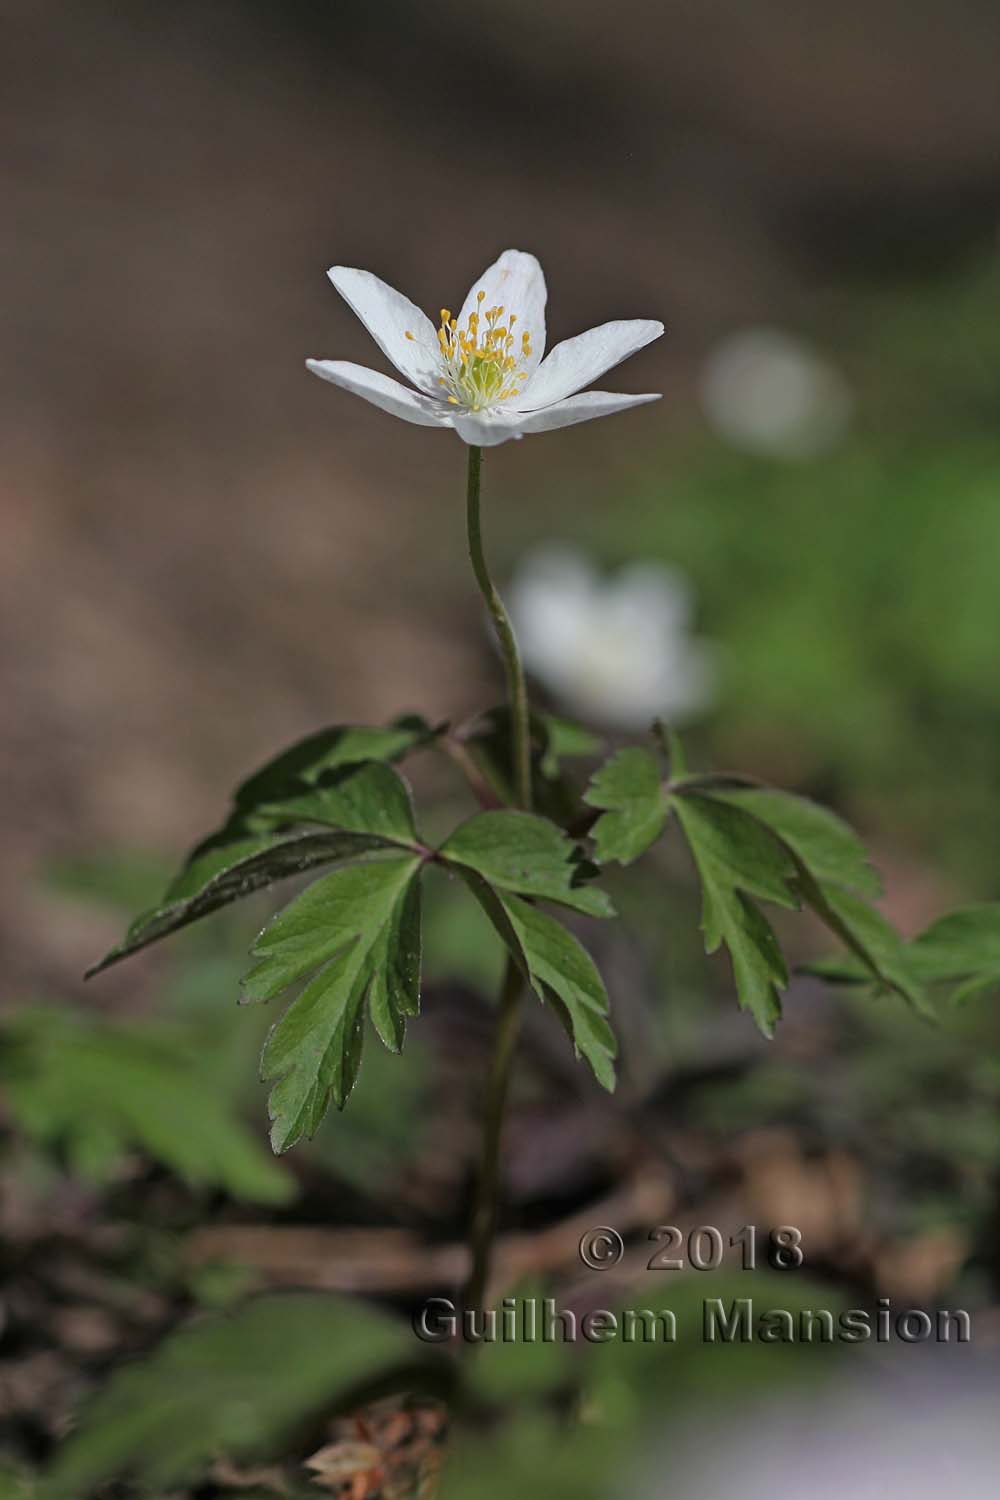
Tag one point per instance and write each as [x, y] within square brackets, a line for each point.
[878, 951]
[327, 750]
[395, 988]
[237, 1385]
[359, 928]
[971, 989]
[559, 969]
[832, 851]
[371, 798]
[962, 948]
[99, 1090]
[528, 855]
[965, 942]
[797, 854]
[630, 788]
[737, 858]
[229, 872]
[732, 848]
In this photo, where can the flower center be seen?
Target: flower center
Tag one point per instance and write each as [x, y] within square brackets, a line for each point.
[483, 363]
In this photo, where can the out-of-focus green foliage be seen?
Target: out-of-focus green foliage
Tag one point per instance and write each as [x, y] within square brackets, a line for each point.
[97, 1090]
[854, 595]
[234, 1384]
[922, 1100]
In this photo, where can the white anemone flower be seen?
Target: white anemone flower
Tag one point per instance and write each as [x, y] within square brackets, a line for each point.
[617, 651]
[766, 391]
[482, 373]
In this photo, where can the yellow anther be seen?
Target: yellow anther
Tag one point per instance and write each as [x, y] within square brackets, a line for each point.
[479, 367]
[409, 335]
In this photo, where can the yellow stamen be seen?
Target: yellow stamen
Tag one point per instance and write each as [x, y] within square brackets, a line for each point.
[409, 335]
[478, 363]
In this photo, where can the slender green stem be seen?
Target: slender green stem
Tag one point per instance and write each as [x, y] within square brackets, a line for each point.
[484, 1214]
[520, 726]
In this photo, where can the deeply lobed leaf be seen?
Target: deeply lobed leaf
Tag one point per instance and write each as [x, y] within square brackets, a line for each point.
[305, 762]
[754, 842]
[961, 949]
[370, 799]
[630, 789]
[964, 943]
[367, 805]
[559, 969]
[528, 856]
[226, 874]
[733, 849]
[356, 931]
[824, 842]
[736, 857]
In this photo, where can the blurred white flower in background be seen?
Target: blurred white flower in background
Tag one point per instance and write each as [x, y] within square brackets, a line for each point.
[767, 391]
[616, 651]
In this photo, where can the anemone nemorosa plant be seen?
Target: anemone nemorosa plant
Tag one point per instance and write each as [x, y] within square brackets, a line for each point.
[346, 952]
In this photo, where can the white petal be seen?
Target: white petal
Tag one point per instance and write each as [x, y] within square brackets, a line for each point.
[564, 413]
[382, 391]
[576, 362]
[483, 431]
[389, 316]
[516, 283]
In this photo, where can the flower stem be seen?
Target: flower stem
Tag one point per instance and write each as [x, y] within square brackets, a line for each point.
[520, 727]
[484, 1214]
